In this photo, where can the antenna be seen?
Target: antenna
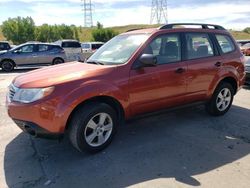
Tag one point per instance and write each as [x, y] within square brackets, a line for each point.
[87, 10]
[159, 12]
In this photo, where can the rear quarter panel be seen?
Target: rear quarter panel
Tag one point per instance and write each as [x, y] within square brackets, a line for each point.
[232, 67]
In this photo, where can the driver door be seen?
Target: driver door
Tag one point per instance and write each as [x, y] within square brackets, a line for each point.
[163, 85]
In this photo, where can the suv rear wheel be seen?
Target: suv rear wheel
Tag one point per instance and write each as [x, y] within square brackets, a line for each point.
[57, 61]
[92, 127]
[221, 100]
[7, 65]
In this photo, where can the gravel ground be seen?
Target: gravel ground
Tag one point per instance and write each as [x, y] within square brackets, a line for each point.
[181, 148]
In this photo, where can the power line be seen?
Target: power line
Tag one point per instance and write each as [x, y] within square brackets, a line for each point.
[87, 11]
[159, 12]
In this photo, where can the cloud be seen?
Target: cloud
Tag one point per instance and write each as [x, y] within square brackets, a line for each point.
[122, 12]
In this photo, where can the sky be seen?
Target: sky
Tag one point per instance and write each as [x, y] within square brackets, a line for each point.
[232, 14]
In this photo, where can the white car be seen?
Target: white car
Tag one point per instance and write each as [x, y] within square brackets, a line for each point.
[89, 48]
[72, 49]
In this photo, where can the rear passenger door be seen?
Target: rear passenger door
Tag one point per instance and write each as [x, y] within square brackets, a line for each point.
[44, 57]
[203, 62]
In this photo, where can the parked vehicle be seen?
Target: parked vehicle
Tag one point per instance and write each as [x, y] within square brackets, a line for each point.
[31, 54]
[242, 42]
[89, 48]
[245, 49]
[135, 73]
[248, 72]
[72, 49]
[4, 45]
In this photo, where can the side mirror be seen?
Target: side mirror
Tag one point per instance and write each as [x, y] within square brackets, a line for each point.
[148, 60]
[17, 51]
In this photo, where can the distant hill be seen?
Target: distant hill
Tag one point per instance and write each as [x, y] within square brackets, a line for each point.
[85, 33]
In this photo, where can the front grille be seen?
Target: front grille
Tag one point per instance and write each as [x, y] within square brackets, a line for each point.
[12, 91]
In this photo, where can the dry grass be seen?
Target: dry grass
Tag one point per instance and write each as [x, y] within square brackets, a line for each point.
[1, 35]
[85, 35]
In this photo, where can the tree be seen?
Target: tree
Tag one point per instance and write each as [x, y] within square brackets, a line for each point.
[247, 30]
[103, 35]
[99, 25]
[19, 30]
[51, 33]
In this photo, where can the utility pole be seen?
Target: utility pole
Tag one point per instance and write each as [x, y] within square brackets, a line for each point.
[87, 11]
[159, 12]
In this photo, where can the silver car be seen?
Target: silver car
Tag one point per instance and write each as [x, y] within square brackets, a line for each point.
[32, 54]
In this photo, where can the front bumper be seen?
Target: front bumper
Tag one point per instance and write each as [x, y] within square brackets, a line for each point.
[36, 130]
[43, 114]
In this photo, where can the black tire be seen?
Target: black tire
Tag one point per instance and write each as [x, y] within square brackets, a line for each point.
[7, 65]
[78, 126]
[212, 107]
[57, 61]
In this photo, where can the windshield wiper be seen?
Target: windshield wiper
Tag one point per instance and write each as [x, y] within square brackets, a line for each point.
[95, 62]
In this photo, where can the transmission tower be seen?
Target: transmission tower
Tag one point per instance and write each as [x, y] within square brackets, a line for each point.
[87, 11]
[159, 12]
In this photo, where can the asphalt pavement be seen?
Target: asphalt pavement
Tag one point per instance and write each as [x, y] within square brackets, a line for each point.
[180, 148]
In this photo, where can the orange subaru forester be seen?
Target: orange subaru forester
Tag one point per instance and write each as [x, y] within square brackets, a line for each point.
[137, 72]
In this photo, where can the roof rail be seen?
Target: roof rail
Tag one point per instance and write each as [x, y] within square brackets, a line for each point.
[133, 29]
[203, 26]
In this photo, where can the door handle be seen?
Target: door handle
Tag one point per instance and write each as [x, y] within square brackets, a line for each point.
[180, 70]
[218, 64]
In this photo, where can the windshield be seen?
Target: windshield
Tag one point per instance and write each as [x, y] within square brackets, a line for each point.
[119, 49]
[16, 47]
[85, 45]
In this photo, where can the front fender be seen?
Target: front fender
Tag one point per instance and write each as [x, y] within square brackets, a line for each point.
[85, 91]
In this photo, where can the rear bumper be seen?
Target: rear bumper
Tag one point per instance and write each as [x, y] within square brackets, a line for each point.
[35, 130]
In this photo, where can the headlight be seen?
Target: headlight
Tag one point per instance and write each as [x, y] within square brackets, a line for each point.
[31, 95]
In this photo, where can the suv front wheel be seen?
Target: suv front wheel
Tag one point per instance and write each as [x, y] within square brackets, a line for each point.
[7, 65]
[221, 100]
[93, 127]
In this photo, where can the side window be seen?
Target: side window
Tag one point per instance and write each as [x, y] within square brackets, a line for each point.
[2, 47]
[43, 48]
[71, 45]
[27, 48]
[166, 48]
[56, 48]
[225, 43]
[96, 46]
[198, 45]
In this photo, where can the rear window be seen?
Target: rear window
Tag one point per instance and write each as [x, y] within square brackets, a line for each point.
[85, 46]
[43, 47]
[55, 48]
[96, 46]
[71, 45]
[226, 43]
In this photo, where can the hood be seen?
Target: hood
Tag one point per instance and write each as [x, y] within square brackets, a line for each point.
[58, 74]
